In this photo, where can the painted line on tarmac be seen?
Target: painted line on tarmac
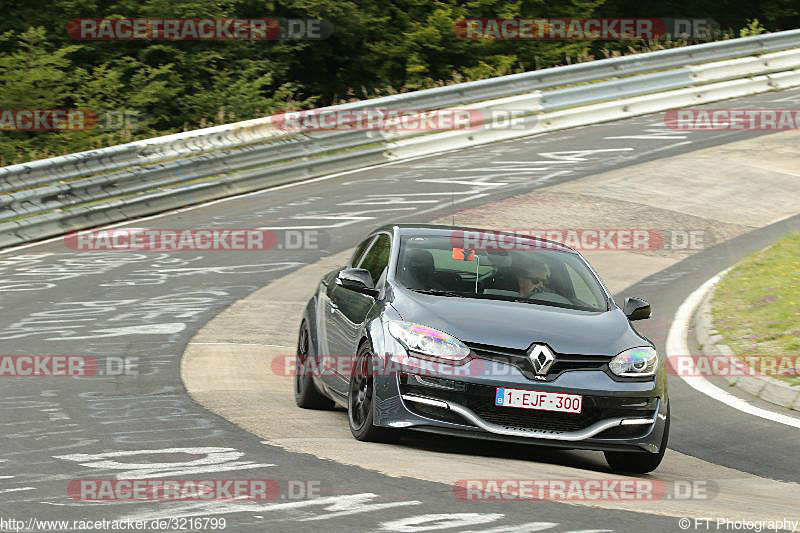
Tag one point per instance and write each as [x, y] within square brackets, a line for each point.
[242, 344]
[677, 345]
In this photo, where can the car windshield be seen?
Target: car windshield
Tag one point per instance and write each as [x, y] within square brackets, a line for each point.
[433, 265]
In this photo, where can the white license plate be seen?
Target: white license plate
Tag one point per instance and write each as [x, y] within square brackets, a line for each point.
[539, 400]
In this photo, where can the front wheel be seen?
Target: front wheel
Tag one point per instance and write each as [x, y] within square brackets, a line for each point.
[306, 394]
[360, 399]
[638, 462]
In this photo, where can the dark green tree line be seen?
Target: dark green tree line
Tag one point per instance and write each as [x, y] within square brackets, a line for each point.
[378, 47]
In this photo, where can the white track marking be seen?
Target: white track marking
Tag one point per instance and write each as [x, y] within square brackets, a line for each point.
[21, 489]
[580, 155]
[433, 522]
[239, 344]
[500, 169]
[677, 345]
[537, 162]
[647, 137]
[347, 219]
[661, 149]
[530, 527]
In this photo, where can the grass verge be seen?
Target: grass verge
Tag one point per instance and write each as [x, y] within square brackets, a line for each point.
[756, 306]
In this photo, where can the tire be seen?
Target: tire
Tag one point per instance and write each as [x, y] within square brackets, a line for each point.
[638, 462]
[306, 394]
[360, 397]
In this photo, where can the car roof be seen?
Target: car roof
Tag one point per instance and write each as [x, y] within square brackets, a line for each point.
[446, 231]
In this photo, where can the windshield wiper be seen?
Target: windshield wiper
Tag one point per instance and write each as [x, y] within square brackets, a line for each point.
[440, 292]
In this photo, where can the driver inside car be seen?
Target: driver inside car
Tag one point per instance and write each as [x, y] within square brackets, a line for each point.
[532, 277]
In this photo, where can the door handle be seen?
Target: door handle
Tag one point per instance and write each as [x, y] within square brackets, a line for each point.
[334, 307]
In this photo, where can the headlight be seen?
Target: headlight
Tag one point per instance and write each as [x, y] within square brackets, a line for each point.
[636, 362]
[428, 341]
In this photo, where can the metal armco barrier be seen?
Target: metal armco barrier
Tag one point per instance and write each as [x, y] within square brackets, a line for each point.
[54, 196]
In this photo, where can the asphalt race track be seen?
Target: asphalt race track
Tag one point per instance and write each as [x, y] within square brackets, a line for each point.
[147, 305]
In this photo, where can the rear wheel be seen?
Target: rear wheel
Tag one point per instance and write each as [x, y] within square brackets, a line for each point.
[306, 394]
[639, 463]
[360, 399]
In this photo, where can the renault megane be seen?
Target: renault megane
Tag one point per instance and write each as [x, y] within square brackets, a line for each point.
[513, 338]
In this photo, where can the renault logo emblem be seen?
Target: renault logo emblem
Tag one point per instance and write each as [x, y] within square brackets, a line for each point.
[542, 358]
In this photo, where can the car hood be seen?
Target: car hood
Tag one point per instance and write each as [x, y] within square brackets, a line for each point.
[518, 325]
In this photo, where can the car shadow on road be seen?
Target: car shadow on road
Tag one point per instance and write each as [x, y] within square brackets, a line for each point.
[585, 460]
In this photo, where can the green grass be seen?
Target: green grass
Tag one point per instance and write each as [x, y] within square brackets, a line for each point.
[756, 306]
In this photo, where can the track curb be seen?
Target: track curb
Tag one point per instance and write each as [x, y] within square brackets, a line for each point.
[766, 388]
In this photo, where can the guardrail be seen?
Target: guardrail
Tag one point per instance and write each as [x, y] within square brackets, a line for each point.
[54, 196]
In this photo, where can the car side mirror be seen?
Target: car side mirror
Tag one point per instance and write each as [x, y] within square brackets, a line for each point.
[636, 309]
[358, 280]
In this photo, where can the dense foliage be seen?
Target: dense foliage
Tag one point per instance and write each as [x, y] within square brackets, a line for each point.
[378, 47]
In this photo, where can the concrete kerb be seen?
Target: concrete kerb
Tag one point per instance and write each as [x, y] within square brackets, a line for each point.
[766, 388]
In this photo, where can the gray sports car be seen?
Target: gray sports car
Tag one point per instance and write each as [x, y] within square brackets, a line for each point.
[513, 338]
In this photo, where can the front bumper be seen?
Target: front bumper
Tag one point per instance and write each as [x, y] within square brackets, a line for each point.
[616, 416]
[511, 429]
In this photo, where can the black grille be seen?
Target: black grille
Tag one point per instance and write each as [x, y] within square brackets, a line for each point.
[480, 400]
[519, 359]
[540, 420]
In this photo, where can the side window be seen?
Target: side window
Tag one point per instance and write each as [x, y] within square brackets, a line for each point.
[582, 290]
[360, 249]
[377, 259]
